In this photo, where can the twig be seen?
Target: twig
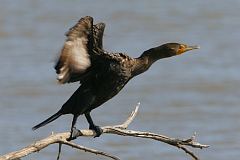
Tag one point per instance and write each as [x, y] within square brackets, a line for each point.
[129, 119]
[116, 129]
[90, 150]
[59, 150]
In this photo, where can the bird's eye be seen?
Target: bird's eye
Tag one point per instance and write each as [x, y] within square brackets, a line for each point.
[181, 49]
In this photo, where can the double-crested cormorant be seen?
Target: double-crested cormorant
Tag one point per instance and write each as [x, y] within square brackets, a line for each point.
[101, 74]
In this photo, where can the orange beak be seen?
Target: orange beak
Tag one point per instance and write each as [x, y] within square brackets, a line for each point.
[184, 48]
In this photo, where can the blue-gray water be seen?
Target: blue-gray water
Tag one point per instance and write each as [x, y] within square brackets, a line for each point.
[195, 92]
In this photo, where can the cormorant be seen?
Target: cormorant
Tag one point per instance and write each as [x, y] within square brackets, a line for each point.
[101, 74]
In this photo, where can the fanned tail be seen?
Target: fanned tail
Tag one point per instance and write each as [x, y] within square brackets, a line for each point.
[50, 119]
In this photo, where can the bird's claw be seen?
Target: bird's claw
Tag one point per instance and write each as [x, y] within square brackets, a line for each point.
[74, 134]
[97, 129]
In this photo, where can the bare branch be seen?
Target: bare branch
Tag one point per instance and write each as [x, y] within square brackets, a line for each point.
[54, 138]
[59, 150]
[90, 150]
[116, 129]
[129, 119]
[171, 141]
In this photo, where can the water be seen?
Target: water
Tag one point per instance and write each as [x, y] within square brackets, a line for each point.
[196, 92]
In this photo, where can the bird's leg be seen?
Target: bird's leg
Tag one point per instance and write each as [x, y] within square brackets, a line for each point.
[92, 126]
[74, 131]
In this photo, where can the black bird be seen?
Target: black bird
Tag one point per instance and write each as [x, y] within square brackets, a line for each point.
[101, 74]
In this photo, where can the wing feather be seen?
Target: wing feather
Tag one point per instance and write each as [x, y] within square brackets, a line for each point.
[75, 55]
[98, 30]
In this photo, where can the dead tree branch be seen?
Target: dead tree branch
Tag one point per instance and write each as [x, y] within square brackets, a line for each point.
[60, 138]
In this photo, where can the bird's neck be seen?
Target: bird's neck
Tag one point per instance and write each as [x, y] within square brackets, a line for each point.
[142, 64]
[148, 58]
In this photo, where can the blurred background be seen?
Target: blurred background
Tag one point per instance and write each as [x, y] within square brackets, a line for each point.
[195, 92]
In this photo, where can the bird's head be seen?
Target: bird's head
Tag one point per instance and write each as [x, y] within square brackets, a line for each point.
[173, 49]
[168, 50]
[177, 48]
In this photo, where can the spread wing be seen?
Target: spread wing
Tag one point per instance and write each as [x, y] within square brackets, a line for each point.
[76, 54]
[98, 31]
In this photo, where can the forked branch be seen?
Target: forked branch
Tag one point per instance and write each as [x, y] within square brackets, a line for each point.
[60, 138]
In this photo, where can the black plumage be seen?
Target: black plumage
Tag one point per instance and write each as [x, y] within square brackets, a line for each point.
[101, 74]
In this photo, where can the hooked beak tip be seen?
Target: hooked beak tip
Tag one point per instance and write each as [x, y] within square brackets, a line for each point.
[193, 47]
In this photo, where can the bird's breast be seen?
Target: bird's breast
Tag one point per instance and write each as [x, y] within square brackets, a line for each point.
[109, 82]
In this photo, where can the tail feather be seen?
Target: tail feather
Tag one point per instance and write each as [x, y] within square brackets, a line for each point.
[50, 119]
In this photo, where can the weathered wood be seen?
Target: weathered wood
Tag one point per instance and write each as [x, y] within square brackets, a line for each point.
[116, 129]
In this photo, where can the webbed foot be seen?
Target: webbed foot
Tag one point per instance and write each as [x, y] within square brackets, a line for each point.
[74, 134]
[97, 129]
